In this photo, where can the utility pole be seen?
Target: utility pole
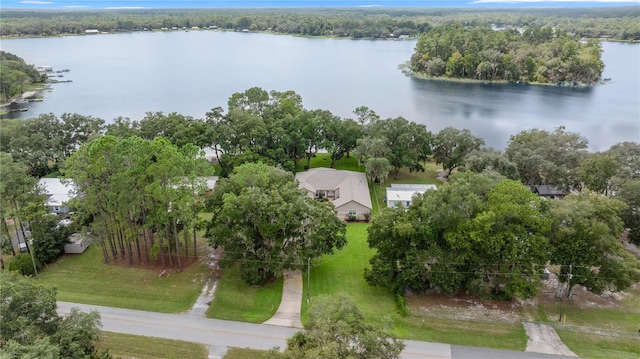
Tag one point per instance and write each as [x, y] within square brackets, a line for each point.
[563, 315]
[33, 261]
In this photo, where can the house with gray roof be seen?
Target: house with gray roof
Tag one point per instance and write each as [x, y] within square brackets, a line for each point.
[347, 190]
[547, 191]
[403, 194]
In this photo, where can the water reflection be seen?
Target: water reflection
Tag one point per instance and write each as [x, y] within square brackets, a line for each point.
[497, 111]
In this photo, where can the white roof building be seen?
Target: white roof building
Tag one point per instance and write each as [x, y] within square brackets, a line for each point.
[403, 193]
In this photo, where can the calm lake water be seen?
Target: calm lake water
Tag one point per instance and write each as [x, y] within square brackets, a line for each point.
[192, 72]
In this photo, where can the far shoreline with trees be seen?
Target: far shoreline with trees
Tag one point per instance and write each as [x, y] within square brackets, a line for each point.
[535, 55]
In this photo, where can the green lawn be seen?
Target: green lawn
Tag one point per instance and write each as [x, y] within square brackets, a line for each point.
[141, 347]
[243, 353]
[593, 346]
[235, 300]
[86, 279]
[343, 271]
[323, 160]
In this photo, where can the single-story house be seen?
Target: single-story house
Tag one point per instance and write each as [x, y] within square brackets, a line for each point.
[347, 190]
[548, 191]
[58, 194]
[403, 193]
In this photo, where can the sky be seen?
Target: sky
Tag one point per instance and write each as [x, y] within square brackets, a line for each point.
[167, 4]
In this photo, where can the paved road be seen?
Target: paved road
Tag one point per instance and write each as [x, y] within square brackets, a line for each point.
[221, 334]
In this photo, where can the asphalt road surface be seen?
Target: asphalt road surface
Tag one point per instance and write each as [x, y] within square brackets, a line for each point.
[219, 335]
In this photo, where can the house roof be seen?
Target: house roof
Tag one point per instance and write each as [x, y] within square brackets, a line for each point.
[547, 190]
[353, 185]
[405, 192]
[58, 193]
[210, 181]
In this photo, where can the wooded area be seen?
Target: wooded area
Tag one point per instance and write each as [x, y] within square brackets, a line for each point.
[539, 54]
[15, 75]
[621, 23]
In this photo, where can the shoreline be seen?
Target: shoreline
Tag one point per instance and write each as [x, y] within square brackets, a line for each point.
[410, 38]
[406, 70]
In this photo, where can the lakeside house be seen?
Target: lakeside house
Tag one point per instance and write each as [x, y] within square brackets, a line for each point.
[402, 194]
[347, 190]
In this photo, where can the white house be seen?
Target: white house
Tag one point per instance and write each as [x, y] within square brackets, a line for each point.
[403, 193]
[58, 194]
[347, 190]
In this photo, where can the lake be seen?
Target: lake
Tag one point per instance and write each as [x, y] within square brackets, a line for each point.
[191, 72]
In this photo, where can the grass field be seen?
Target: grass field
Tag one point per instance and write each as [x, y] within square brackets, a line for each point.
[323, 160]
[141, 347]
[343, 271]
[593, 346]
[243, 353]
[235, 300]
[85, 279]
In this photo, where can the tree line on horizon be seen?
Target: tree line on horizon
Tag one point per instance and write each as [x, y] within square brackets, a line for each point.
[620, 23]
[142, 195]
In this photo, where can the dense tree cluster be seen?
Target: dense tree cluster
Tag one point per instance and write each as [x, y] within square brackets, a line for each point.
[31, 328]
[43, 143]
[267, 224]
[138, 195]
[15, 75]
[542, 55]
[615, 22]
[493, 238]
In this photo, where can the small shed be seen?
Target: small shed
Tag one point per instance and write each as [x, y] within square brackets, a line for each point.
[78, 243]
[403, 193]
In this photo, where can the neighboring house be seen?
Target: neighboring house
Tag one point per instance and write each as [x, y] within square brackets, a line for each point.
[403, 193]
[347, 190]
[547, 191]
[58, 194]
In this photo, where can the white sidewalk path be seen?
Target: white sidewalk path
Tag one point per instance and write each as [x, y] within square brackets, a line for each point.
[288, 314]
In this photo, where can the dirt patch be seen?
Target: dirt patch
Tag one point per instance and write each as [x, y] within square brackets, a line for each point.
[465, 307]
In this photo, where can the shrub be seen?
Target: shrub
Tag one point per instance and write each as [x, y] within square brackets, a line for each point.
[22, 264]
